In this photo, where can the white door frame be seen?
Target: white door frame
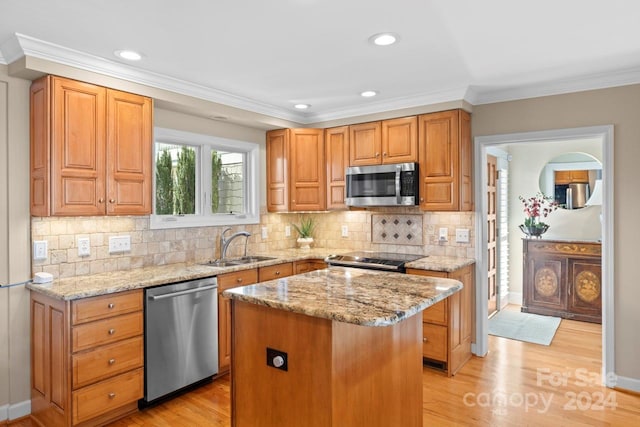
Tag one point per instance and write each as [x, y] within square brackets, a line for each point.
[605, 133]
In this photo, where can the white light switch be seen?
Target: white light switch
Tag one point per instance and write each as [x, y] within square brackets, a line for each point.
[462, 235]
[287, 231]
[40, 249]
[84, 246]
[442, 234]
[264, 232]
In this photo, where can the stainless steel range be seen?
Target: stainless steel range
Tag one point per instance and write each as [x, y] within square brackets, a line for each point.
[387, 261]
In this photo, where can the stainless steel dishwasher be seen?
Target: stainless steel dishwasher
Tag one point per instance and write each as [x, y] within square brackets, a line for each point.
[181, 336]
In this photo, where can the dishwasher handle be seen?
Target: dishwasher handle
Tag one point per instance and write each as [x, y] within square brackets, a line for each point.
[185, 292]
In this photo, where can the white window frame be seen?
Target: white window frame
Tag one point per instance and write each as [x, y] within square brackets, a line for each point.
[203, 216]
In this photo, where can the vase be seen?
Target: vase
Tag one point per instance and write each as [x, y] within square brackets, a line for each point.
[305, 242]
[536, 232]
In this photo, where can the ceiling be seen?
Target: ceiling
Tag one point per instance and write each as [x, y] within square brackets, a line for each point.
[266, 56]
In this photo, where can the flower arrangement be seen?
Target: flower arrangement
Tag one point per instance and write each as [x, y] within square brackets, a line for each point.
[535, 208]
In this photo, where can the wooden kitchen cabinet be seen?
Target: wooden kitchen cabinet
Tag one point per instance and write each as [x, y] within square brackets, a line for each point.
[296, 170]
[87, 358]
[277, 271]
[571, 176]
[385, 142]
[446, 159]
[90, 150]
[448, 325]
[308, 265]
[337, 159]
[562, 279]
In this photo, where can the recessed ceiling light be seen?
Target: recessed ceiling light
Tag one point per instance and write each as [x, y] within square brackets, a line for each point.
[384, 39]
[302, 106]
[368, 93]
[129, 55]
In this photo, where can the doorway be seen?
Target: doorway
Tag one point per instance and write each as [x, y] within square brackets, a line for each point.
[605, 135]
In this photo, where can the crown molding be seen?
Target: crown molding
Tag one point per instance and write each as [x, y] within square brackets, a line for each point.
[30, 46]
[399, 103]
[555, 87]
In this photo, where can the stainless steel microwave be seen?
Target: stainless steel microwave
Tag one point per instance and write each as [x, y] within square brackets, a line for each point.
[383, 185]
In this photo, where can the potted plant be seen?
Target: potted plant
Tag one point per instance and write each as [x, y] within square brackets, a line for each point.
[535, 208]
[305, 231]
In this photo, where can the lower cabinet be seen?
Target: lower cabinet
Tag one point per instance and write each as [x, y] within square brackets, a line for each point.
[562, 279]
[308, 265]
[447, 326]
[87, 358]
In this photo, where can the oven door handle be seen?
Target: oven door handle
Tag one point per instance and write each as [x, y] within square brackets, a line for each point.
[185, 292]
[398, 196]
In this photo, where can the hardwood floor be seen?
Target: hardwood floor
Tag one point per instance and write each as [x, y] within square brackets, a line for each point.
[516, 384]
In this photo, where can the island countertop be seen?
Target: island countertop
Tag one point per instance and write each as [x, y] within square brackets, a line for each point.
[350, 295]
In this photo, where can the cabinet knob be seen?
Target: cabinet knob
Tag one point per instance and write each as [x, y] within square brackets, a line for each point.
[377, 154]
[111, 305]
[112, 395]
[101, 200]
[277, 273]
[424, 339]
[422, 199]
[112, 331]
[384, 154]
[112, 361]
[112, 200]
[239, 280]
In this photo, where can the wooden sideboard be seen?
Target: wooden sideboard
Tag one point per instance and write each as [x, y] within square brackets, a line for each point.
[563, 278]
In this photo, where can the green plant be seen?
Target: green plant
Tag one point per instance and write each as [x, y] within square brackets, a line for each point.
[164, 184]
[216, 170]
[185, 186]
[305, 229]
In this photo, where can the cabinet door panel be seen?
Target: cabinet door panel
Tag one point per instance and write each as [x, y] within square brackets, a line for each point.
[337, 157]
[365, 141]
[400, 140]
[307, 170]
[129, 177]
[547, 276]
[77, 148]
[40, 132]
[585, 287]
[277, 175]
[224, 333]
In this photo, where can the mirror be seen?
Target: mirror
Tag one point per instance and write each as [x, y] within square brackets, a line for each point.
[570, 179]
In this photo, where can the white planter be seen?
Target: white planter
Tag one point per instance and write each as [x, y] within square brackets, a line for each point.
[305, 242]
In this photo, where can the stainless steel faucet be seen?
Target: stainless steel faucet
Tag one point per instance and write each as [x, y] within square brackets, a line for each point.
[224, 242]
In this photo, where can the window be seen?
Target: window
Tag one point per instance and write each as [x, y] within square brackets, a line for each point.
[202, 180]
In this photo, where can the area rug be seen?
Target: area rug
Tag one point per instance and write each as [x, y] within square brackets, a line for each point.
[526, 327]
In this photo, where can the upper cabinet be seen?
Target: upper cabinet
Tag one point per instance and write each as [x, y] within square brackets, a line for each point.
[337, 156]
[389, 141]
[91, 150]
[445, 161]
[296, 170]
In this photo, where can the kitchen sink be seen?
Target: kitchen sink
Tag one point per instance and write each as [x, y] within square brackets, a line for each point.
[237, 261]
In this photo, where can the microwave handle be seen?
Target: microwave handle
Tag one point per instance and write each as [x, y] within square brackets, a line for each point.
[398, 196]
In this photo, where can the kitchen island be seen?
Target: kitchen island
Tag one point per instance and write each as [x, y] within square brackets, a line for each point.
[333, 347]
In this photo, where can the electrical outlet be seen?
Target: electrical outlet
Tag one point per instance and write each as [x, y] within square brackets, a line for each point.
[40, 249]
[287, 231]
[264, 232]
[119, 244]
[84, 246]
[443, 232]
[345, 231]
[462, 235]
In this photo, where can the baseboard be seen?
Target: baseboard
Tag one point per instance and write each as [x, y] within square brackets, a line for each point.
[15, 410]
[515, 298]
[631, 384]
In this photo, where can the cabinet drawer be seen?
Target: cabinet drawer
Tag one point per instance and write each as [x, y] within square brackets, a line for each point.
[437, 313]
[106, 331]
[89, 309]
[434, 342]
[107, 361]
[94, 400]
[237, 278]
[275, 271]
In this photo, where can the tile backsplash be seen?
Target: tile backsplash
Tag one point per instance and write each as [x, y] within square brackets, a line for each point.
[157, 247]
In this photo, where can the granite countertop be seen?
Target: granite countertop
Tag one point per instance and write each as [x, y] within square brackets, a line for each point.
[351, 295]
[72, 288]
[440, 263]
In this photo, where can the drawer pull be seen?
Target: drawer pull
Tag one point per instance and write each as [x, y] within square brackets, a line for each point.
[239, 280]
[112, 331]
[277, 273]
[111, 305]
[112, 395]
[112, 361]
